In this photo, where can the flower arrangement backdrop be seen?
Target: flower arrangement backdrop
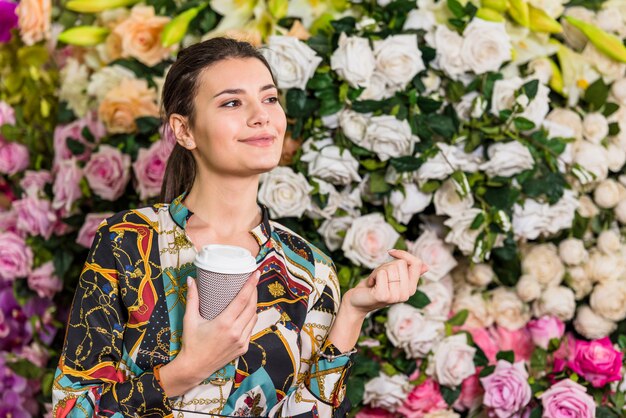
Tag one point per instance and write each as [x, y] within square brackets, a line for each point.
[487, 137]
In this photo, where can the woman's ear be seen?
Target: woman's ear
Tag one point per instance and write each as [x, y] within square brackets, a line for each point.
[182, 131]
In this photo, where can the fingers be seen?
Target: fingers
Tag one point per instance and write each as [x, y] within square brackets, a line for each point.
[416, 266]
[381, 291]
[192, 310]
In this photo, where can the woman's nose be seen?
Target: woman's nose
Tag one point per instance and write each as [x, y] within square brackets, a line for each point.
[258, 115]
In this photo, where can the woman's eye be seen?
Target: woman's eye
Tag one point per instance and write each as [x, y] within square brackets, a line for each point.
[273, 99]
[231, 103]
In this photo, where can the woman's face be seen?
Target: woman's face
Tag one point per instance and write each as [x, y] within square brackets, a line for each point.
[239, 124]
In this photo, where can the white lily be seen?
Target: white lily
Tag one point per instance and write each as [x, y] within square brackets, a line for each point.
[578, 73]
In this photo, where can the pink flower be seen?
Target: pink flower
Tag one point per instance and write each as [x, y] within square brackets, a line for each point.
[423, 399]
[75, 130]
[33, 182]
[108, 172]
[36, 354]
[517, 341]
[483, 339]
[507, 390]
[88, 230]
[150, 168]
[544, 329]
[14, 157]
[66, 188]
[35, 216]
[16, 258]
[368, 412]
[567, 399]
[43, 281]
[471, 394]
[8, 221]
[7, 114]
[597, 361]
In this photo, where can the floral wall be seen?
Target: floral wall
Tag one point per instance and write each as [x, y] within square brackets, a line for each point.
[487, 137]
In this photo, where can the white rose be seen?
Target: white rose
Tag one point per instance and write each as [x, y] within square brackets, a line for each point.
[408, 329]
[449, 159]
[593, 158]
[368, 240]
[558, 301]
[448, 45]
[353, 125]
[106, 79]
[609, 242]
[440, 300]
[398, 59]
[586, 207]
[541, 69]
[293, 61]
[460, 233]
[528, 288]
[604, 267]
[508, 309]
[591, 325]
[420, 19]
[618, 91]
[608, 67]
[486, 46]
[353, 60]
[448, 202]
[507, 159]
[539, 106]
[408, 203]
[480, 275]
[479, 312]
[471, 105]
[452, 361]
[443, 413]
[617, 156]
[388, 392]
[608, 299]
[351, 199]
[388, 137]
[543, 263]
[377, 88]
[504, 98]
[74, 80]
[332, 229]
[580, 282]
[610, 19]
[595, 127]
[553, 8]
[608, 194]
[285, 193]
[620, 212]
[572, 251]
[434, 253]
[431, 82]
[332, 201]
[574, 37]
[569, 118]
[333, 165]
[533, 219]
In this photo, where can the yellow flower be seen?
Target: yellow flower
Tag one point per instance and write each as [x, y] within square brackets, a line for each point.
[485, 13]
[518, 10]
[176, 29]
[540, 21]
[84, 35]
[608, 44]
[95, 6]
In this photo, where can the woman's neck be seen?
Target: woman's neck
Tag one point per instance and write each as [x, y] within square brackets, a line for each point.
[226, 205]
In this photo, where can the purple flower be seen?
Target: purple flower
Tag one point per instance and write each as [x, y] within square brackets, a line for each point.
[15, 331]
[11, 405]
[8, 21]
[507, 390]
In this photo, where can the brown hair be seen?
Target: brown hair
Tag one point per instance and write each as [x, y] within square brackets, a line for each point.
[179, 91]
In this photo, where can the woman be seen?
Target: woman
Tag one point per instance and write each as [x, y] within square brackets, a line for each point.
[136, 344]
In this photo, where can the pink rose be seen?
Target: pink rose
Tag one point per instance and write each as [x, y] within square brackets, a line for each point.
[484, 340]
[16, 258]
[507, 390]
[423, 399]
[565, 353]
[597, 361]
[544, 329]
[108, 172]
[471, 394]
[150, 168]
[368, 412]
[88, 230]
[35, 216]
[8, 221]
[517, 341]
[66, 188]
[75, 130]
[567, 399]
[7, 114]
[14, 157]
[33, 182]
[43, 281]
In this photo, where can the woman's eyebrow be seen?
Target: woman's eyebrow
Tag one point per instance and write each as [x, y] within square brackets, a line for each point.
[242, 91]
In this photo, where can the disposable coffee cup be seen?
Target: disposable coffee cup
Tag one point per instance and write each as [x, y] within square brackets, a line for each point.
[222, 270]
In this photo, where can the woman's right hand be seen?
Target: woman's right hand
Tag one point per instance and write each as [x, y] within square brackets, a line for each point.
[209, 345]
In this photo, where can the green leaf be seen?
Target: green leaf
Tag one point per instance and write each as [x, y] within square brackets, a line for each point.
[605, 412]
[501, 197]
[523, 124]
[553, 345]
[478, 221]
[530, 88]
[75, 147]
[596, 94]
[480, 359]
[320, 81]
[459, 319]
[428, 105]
[441, 125]
[450, 395]
[430, 186]
[506, 356]
[487, 371]
[11, 132]
[296, 102]
[539, 359]
[537, 412]
[609, 109]
[454, 91]
[406, 163]
[25, 368]
[614, 129]
[419, 300]
[355, 390]
[621, 341]
[377, 182]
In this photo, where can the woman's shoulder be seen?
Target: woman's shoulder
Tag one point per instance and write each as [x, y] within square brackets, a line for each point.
[135, 218]
[298, 245]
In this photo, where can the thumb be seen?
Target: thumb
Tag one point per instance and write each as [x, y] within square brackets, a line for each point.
[192, 309]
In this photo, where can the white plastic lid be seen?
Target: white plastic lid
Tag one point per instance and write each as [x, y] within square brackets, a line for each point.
[226, 259]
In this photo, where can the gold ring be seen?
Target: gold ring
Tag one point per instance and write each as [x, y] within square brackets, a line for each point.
[390, 281]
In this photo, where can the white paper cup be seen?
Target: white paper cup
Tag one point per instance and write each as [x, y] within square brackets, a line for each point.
[222, 270]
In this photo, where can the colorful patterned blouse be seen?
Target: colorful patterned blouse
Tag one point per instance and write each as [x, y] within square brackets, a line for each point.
[127, 316]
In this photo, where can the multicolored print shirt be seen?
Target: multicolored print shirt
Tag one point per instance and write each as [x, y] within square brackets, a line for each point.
[127, 318]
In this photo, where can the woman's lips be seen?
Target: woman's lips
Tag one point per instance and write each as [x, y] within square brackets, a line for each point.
[259, 142]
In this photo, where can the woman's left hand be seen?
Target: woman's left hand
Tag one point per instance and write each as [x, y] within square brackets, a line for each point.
[392, 282]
